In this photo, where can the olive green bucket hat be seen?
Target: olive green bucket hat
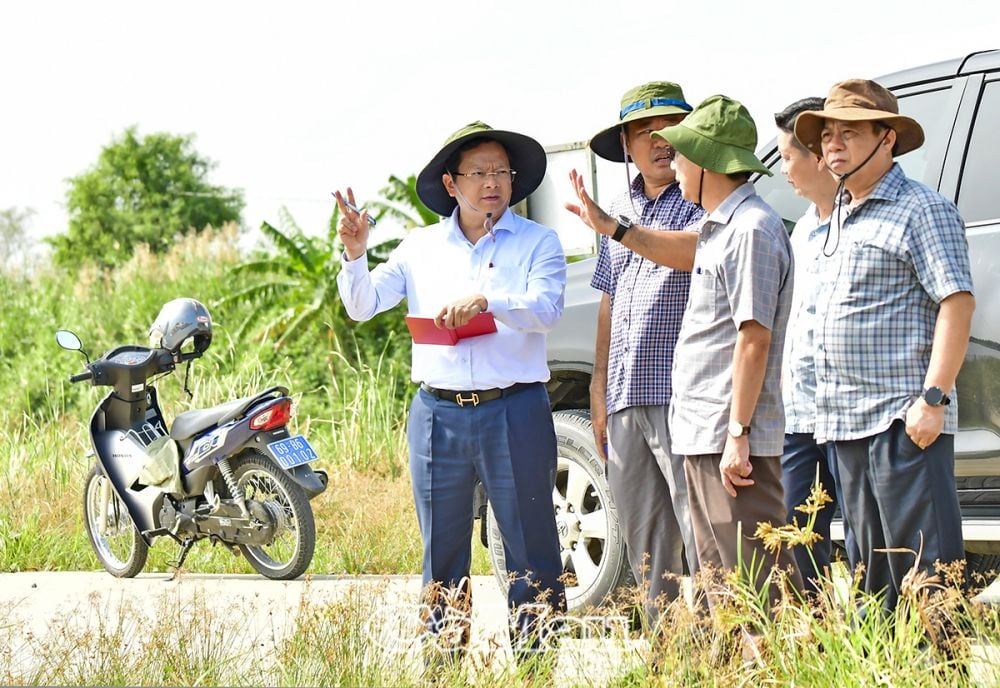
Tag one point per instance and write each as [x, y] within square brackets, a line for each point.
[526, 155]
[718, 135]
[655, 99]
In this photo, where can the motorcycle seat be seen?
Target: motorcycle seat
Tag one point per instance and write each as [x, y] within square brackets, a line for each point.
[190, 423]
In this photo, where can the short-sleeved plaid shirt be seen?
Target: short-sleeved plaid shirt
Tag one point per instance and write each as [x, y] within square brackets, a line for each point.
[647, 300]
[742, 272]
[901, 252]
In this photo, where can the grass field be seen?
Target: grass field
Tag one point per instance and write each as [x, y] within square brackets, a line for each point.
[353, 413]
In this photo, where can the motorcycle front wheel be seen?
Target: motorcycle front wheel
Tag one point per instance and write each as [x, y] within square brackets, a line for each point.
[117, 544]
[289, 554]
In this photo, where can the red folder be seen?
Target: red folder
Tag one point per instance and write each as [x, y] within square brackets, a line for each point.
[424, 331]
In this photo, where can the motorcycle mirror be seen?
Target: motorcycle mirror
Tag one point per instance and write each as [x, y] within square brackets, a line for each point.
[68, 340]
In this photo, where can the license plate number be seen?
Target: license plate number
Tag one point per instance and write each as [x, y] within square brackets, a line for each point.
[292, 451]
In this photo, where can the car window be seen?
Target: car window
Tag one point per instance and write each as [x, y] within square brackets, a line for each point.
[978, 199]
[934, 114]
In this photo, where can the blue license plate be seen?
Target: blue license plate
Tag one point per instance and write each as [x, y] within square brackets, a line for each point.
[292, 451]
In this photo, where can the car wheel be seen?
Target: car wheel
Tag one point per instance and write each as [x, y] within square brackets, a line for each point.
[594, 557]
[982, 569]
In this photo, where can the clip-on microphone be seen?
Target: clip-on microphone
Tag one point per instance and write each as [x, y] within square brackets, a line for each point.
[488, 222]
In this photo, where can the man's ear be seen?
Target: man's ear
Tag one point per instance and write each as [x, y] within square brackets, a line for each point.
[449, 184]
[890, 139]
[819, 162]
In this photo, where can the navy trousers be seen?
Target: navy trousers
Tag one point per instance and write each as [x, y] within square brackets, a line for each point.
[897, 495]
[801, 460]
[510, 445]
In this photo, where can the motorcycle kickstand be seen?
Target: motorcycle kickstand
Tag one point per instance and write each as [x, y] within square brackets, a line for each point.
[186, 546]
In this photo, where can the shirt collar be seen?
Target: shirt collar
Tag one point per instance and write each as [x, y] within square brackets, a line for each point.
[724, 213]
[637, 190]
[890, 185]
[507, 222]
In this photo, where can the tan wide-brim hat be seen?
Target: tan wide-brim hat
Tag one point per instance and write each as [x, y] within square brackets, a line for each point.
[859, 100]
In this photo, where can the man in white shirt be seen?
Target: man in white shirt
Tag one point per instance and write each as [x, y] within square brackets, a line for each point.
[482, 410]
[803, 460]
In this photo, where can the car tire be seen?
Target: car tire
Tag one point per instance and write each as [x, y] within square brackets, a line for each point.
[592, 546]
[981, 569]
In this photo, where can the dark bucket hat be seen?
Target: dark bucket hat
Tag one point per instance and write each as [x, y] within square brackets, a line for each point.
[719, 135]
[526, 155]
[859, 100]
[655, 99]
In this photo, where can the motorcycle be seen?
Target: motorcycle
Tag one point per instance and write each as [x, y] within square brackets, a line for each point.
[231, 474]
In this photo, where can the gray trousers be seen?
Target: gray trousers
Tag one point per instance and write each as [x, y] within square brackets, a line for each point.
[899, 496]
[648, 485]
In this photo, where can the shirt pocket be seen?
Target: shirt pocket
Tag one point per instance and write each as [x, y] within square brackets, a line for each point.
[873, 274]
[507, 280]
[703, 297]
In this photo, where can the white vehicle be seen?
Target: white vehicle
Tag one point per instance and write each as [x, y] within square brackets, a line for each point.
[958, 105]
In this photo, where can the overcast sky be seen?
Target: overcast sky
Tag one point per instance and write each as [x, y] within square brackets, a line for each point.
[295, 99]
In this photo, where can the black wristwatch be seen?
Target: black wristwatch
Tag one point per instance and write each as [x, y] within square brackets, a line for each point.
[624, 224]
[935, 396]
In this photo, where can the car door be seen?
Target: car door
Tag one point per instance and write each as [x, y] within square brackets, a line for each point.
[970, 178]
[960, 116]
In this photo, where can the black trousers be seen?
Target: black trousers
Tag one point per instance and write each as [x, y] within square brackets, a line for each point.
[899, 496]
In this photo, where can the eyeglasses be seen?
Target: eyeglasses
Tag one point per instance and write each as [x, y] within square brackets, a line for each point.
[499, 175]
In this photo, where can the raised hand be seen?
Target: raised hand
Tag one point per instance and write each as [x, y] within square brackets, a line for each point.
[587, 210]
[353, 226]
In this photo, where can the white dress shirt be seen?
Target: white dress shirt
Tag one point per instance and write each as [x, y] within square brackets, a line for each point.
[522, 274]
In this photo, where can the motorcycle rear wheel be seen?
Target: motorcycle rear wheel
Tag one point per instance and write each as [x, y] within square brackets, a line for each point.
[290, 552]
[120, 548]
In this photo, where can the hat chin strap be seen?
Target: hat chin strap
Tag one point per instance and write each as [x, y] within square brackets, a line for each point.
[488, 222]
[839, 194]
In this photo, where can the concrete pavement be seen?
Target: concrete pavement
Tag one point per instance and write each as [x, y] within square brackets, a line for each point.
[257, 615]
[42, 611]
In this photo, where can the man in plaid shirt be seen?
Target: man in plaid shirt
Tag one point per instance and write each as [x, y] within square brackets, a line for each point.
[893, 317]
[726, 415]
[638, 322]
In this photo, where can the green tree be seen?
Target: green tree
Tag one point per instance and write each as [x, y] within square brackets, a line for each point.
[14, 241]
[399, 200]
[142, 190]
[294, 289]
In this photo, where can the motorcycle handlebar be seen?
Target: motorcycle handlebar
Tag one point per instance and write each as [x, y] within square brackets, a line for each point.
[80, 377]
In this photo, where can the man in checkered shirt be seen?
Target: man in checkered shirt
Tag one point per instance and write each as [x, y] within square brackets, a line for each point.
[726, 416]
[893, 317]
[637, 325]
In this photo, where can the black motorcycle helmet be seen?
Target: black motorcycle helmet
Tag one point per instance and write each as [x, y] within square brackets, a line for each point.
[181, 320]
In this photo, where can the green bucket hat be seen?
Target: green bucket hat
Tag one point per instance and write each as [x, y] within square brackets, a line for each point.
[719, 135]
[527, 158]
[655, 99]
